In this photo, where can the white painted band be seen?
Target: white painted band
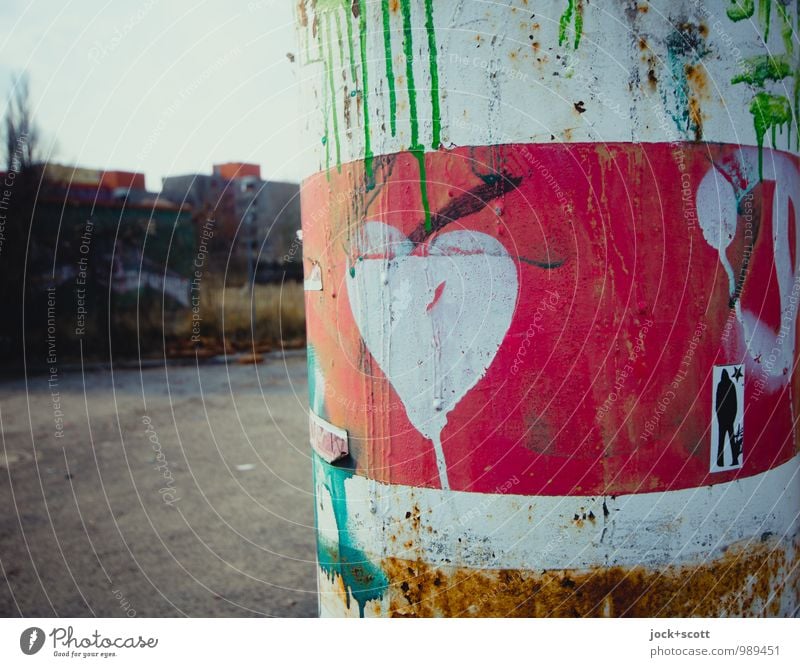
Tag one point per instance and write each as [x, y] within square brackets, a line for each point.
[507, 73]
[488, 531]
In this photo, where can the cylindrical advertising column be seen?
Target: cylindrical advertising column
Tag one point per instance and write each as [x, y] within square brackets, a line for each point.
[551, 268]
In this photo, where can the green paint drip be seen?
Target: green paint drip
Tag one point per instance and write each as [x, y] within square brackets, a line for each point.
[572, 14]
[434, 68]
[332, 104]
[325, 111]
[578, 24]
[362, 38]
[787, 33]
[760, 69]
[408, 49]
[769, 112]
[797, 109]
[764, 11]
[351, 55]
[416, 147]
[423, 187]
[387, 48]
[363, 580]
[339, 36]
[741, 9]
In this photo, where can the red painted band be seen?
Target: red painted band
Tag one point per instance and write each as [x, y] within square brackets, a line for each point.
[631, 290]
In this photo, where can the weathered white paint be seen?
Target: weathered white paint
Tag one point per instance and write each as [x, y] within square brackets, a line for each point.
[432, 321]
[486, 531]
[505, 78]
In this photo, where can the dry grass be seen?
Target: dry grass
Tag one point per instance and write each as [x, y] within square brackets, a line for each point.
[226, 313]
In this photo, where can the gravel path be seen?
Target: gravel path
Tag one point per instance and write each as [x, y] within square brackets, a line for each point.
[177, 490]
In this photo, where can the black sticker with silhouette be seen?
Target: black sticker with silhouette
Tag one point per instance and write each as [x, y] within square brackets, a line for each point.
[727, 418]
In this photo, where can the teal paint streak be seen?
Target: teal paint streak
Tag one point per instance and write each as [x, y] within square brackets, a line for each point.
[683, 49]
[363, 580]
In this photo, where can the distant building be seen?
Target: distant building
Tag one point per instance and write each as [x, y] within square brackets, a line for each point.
[83, 185]
[115, 256]
[258, 217]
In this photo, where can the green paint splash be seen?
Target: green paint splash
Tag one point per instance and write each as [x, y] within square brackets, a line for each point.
[769, 113]
[387, 47]
[363, 580]
[761, 69]
[573, 14]
[741, 9]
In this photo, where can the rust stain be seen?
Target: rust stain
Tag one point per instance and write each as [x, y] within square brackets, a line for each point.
[652, 80]
[302, 14]
[698, 83]
[347, 117]
[394, 5]
[749, 579]
[696, 116]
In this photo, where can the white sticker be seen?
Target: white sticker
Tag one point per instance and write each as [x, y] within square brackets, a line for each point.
[327, 440]
[727, 418]
[314, 281]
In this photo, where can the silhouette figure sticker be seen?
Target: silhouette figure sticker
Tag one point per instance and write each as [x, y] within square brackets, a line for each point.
[727, 418]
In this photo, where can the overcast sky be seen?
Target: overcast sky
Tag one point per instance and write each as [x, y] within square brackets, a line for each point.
[160, 86]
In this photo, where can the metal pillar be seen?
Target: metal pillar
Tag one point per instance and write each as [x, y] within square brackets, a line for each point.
[551, 263]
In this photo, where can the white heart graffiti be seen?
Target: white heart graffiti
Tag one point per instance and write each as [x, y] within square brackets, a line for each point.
[433, 320]
[717, 203]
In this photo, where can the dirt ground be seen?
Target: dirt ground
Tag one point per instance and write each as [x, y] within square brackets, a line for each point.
[172, 490]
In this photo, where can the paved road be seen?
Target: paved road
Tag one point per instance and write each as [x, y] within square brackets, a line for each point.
[177, 490]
